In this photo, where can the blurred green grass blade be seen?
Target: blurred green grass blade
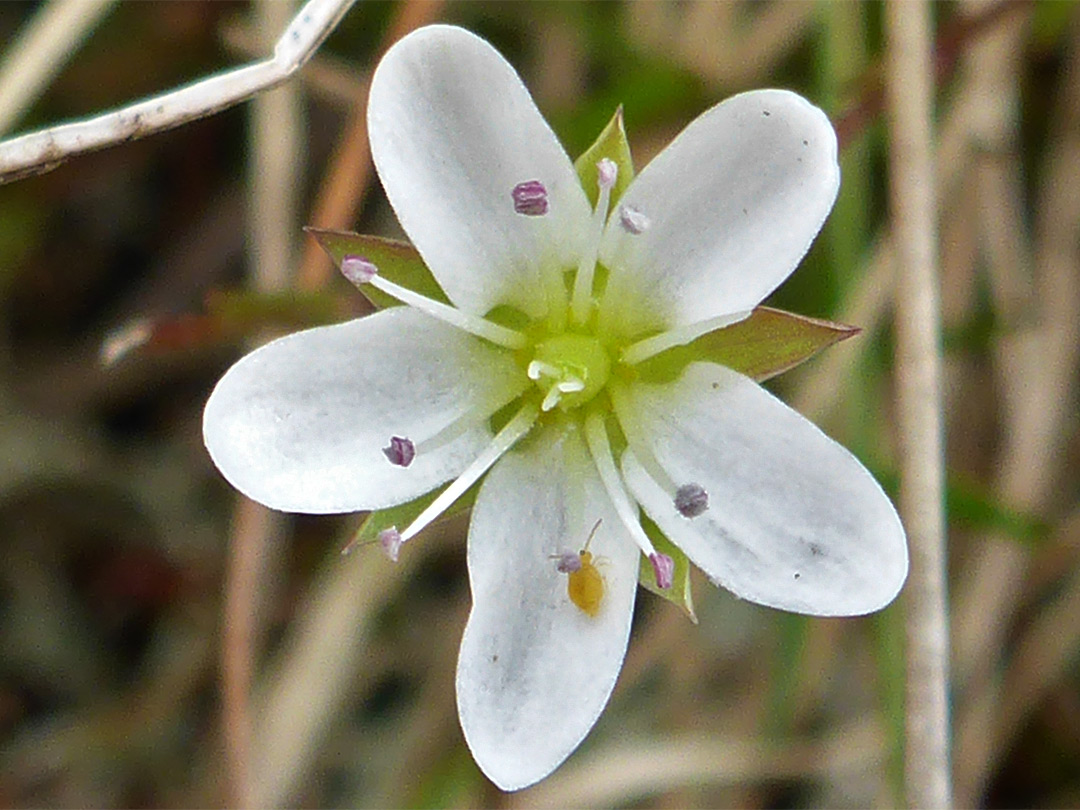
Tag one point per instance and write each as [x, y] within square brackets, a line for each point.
[654, 90]
[22, 224]
[1050, 22]
[453, 781]
[888, 629]
[789, 658]
[974, 507]
[840, 62]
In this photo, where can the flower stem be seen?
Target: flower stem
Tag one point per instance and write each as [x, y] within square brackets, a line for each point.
[918, 364]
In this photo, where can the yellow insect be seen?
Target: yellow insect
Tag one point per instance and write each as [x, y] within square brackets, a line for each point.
[584, 582]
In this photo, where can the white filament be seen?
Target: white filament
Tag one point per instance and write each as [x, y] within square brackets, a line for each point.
[600, 448]
[505, 439]
[474, 325]
[581, 301]
[679, 336]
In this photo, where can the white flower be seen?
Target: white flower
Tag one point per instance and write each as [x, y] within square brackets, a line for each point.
[536, 376]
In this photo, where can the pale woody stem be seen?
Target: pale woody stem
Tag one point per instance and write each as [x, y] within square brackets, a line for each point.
[41, 151]
[918, 364]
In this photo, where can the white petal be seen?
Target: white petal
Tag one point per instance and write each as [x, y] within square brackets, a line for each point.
[535, 671]
[453, 130]
[299, 424]
[794, 520]
[733, 202]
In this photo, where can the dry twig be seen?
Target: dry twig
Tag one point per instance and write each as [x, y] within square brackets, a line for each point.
[42, 151]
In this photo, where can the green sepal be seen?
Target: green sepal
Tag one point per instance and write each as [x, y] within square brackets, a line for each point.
[679, 593]
[611, 144]
[768, 342]
[403, 514]
[397, 261]
[771, 341]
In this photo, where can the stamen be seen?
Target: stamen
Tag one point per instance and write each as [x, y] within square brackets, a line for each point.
[600, 449]
[358, 269]
[390, 540]
[554, 281]
[632, 220]
[679, 336]
[607, 172]
[691, 500]
[475, 416]
[530, 198]
[361, 271]
[401, 451]
[664, 568]
[505, 439]
[458, 427]
[638, 439]
[581, 302]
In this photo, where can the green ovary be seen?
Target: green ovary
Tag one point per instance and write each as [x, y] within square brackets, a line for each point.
[575, 357]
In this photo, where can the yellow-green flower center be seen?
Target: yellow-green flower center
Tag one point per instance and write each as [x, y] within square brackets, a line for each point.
[570, 369]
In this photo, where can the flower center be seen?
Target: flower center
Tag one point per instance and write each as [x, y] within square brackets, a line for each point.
[571, 369]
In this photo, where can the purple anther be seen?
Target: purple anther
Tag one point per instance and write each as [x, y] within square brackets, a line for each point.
[632, 220]
[691, 500]
[664, 568]
[568, 562]
[401, 451]
[530, 198]
[390, 540]
[606, 173]
[358, 269]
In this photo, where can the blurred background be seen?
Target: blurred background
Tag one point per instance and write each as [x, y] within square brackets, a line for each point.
[133, 578]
